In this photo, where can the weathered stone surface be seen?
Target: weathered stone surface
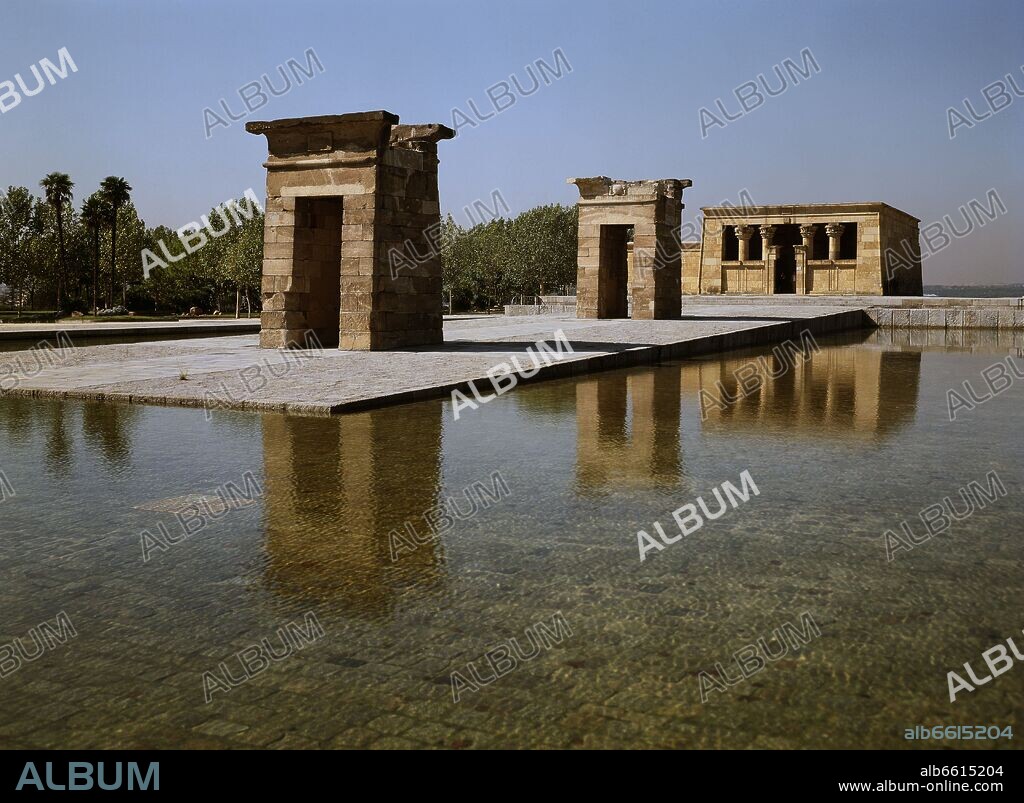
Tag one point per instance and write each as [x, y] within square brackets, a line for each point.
[617, 277]
[918, 318]
[351, 199]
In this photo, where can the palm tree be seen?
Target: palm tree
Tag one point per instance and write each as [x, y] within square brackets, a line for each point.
[94, 215]
[57, 187]
[116, 192]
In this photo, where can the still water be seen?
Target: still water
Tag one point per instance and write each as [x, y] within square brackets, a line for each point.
[842, 448]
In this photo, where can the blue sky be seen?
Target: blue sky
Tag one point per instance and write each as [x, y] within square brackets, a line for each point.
[871, 125]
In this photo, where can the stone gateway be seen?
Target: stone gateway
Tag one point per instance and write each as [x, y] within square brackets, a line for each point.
[613, 214]
[345, 193]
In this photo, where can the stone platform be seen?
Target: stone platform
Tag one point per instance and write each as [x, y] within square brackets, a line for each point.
[887, 312]
[891, 302]
[126, 330]
[234, 373]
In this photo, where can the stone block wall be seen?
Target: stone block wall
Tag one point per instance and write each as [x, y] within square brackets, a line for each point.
[607, 208]
[900, 255]
[949, 318]
[410, 292]
[860, 276]
[351, 222]
[690, 267]
[710, 278]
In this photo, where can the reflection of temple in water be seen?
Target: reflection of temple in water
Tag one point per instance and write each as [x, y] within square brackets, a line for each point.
[627, 430]
[841, 390]
[335, 488]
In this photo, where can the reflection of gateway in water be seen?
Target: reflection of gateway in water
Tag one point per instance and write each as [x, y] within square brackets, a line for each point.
[841, 390]
[627, 430]
[335, 488]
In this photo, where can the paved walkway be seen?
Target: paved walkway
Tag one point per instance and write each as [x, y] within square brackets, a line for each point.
[124, 329]
[233, 372]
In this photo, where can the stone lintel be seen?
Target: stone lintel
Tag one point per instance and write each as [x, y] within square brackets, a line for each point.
[325, 190]
[310, 136]
[337, 159]
[804, 210]
[596, 187]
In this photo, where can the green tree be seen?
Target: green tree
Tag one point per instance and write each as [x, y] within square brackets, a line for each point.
[491, 263]
[492, 280]
[21, 225]
[163, 285]
[454, 262]
[241, 262]
[117, 193]
[58, 187]
[95, 214]
[542, 248]
[132, 237]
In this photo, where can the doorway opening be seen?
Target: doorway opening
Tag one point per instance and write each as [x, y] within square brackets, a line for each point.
[786, 236]
[317, 256]
[613, 272]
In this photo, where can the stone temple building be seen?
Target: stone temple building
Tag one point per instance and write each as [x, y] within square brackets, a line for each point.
[350, 240]
[806, 249]
[630, 256]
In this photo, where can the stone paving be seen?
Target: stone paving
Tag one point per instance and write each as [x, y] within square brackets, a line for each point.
[124, 329]
[234, 373]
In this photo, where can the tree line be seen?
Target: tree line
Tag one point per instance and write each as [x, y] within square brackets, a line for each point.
[495, 263]
[89, 259]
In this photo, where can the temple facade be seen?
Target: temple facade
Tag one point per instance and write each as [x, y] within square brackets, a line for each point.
[806, 249]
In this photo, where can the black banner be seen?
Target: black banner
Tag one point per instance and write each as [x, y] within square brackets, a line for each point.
[99, 773]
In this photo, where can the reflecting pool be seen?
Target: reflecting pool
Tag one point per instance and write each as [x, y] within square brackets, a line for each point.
[180, 549]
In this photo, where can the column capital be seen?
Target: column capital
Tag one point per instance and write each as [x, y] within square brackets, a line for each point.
[834, 229]
[767, 233]
[744, 231]
[807, 230]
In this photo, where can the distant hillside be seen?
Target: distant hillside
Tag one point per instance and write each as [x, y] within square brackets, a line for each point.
[975, 290]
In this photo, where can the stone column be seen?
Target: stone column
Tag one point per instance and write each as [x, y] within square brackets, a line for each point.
[834, 232]
[768, 255]
[807, 231]
[771, 256]
[744, 232]
[800, 254]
